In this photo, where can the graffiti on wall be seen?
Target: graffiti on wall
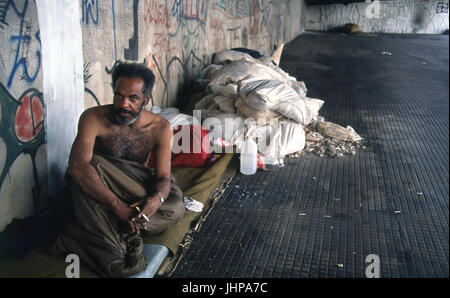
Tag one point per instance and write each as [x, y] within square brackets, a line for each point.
[22, 123]
[89, 11]
[175, 38]
[86, 76]
[22, 117]
[442, 7]
[409, 16]
[154, 13]
[233, 9]
[22, 40]
[196, 10]
[176, 45]
[131, 53]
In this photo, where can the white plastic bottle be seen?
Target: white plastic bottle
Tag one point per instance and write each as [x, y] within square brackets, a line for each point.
[249, 155]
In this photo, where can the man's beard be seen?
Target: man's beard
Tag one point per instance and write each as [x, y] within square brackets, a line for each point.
[126, 121]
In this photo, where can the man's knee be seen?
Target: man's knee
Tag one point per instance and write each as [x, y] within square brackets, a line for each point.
[178, 211]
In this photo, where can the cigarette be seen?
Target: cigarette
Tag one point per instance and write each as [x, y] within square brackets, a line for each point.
[143, 215]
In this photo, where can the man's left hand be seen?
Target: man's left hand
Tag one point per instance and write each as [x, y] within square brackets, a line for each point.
[148, 206]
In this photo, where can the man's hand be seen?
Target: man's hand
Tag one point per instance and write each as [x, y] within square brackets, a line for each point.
[126, 213]
[148, 206]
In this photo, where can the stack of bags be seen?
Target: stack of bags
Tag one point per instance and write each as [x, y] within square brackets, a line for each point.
[250, 97]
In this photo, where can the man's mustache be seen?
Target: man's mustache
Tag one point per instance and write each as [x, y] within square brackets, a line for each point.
[124, 111]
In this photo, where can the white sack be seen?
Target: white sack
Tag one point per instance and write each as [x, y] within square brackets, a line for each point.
[226, 103]
[208, 71]
[205, 103]
[227, 56]
[275, 96]
[246, 111]
[313, 105]
[286, 138]
[239, 70]
[226, 126]
[175, 117]
[226, 90]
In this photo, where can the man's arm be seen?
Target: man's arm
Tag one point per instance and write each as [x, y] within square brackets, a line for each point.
[84, 173]
[162, 155]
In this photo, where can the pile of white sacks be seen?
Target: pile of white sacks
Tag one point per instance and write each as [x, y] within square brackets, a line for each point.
[248, 97]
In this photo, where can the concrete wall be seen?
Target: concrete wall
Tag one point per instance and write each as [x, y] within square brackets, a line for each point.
[177, 38]
[62, 68]
[23, 157]
[43, 62]
[408, 16]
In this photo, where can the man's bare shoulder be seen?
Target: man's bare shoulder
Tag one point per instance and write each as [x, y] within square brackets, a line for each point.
[157, 122]
[98, 113]
[95, 119]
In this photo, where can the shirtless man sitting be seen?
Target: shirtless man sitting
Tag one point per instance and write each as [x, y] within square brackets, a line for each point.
[110, 179]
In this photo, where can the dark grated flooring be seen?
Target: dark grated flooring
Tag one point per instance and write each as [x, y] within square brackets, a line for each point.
[321, 217]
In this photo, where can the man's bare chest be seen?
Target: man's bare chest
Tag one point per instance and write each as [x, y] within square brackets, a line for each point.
[126, 144]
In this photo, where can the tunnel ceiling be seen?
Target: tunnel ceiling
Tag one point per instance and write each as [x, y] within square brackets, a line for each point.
[322, 2]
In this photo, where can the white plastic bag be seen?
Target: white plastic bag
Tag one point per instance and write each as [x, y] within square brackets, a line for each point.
[223, 126]
[208, 71]
[227, 56]
[226, 103]
[313, 105]
[205, 103]
[174, 117]
[239, 70]
[280, 140]
[275, 96]
[247, 111]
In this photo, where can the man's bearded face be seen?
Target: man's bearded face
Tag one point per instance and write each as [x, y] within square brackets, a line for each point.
[127, 116]
[128, 100]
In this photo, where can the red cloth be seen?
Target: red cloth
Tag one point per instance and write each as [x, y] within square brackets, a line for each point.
[198, 139]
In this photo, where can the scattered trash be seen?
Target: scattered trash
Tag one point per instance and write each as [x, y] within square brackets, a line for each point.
[326, 139]
[340, 265]
[327, 216]
[386, 53]
[397, 212]
[268, 162]
[302, 214]
[192, 205]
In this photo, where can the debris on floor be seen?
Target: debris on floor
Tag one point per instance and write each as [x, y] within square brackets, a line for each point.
[327, 139]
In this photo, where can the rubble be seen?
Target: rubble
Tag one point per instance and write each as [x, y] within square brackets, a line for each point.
[334, 141]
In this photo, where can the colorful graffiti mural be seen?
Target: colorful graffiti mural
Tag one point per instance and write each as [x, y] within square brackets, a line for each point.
[22, 111]
[176, 38]
[22, 40]
[22, 132]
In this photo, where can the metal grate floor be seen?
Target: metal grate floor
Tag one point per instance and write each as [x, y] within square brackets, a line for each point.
[321, 217]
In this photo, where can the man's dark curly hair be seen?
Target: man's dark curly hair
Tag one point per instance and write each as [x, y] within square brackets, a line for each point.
[134, 70]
